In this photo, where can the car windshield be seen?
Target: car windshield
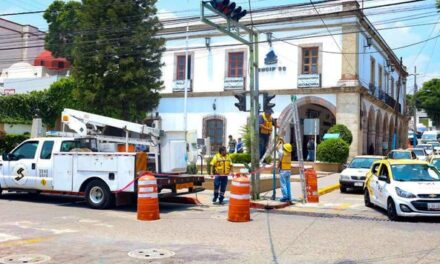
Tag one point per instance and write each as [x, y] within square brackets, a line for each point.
[434, 144]
[362, 163]
[419, 152]
[400, 155]
[429, 136]
[436, 163]
[415, 172]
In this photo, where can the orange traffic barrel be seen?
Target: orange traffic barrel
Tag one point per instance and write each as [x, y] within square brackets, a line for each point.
[312, 186]
[239, 200]
[147, 201]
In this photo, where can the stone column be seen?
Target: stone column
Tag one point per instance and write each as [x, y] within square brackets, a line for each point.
[348, 113]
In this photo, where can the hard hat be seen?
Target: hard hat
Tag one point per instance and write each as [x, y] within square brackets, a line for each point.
[287, 147]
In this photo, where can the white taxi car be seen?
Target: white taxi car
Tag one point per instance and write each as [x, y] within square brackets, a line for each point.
[355, 174]
[403, 188]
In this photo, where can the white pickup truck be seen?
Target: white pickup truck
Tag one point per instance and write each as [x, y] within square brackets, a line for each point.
[57, 164]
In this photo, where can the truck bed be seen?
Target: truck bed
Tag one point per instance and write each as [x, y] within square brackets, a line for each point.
[180, 181]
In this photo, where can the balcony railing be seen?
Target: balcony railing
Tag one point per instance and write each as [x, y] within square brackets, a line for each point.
[235, 83]
[179, 86]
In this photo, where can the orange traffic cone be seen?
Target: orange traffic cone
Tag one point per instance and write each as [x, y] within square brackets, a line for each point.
[148, 202]
[312, 186]
[239, 201]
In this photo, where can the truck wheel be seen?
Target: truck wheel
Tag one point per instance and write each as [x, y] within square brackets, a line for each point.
[98, 195]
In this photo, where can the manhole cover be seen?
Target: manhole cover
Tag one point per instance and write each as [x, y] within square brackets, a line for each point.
[152, 253]
[24, 259]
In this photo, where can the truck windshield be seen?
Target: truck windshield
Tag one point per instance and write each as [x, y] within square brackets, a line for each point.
[362, 163]
[415, 172]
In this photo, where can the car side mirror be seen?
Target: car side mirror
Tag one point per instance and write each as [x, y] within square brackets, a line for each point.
[5, 156]
[384, 178]
[345, 165]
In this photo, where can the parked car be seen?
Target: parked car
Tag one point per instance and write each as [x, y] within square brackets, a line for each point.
[401, 154]
[428, 147]
[435, 161]
[436, 146]
[355, 174]
[403, 188]
[420, 153]
[430, 136]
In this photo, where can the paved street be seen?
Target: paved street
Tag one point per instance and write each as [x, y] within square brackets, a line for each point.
[67, 231]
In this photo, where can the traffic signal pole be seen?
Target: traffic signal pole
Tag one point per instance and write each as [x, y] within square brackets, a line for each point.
[232, 29]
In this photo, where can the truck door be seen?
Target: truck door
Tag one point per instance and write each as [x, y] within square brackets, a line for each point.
[21, 169]
[44, 166]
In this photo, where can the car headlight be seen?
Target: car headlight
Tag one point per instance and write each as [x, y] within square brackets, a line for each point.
[404, 194]
[345, 177]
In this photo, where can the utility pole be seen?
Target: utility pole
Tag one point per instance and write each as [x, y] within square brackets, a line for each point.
[415, 107]
[232, 13]
[396, 106]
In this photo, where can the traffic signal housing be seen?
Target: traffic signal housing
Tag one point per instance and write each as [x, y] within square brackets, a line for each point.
[229, 9]
[241, 105]
[266, 101]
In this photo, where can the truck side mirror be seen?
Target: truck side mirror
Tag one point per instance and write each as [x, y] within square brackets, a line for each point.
[5, 156]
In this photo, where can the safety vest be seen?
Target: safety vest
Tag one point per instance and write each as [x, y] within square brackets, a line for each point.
[286, 161]
[222, 164]
[267, 123]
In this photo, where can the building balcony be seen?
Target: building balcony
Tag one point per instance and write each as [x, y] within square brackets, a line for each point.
[235, 83]
[309, 81]
[179, 86]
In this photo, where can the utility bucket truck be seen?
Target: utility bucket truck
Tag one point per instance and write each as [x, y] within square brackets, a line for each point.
[86, 161]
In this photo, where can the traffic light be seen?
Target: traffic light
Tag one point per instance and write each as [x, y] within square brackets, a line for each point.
[229, 9]
[266, 101]
[241, 105]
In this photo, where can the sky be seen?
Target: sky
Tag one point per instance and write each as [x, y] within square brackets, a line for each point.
[399, 25]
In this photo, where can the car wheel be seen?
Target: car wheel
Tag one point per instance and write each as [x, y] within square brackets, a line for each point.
[343, 189]
[98, 195]
[367, 200]
[391, 211]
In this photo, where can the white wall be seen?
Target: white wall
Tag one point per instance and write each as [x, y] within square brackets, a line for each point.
[209, 65]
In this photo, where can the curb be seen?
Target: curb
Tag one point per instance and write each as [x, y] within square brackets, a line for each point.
[328, 189]
[256, 205]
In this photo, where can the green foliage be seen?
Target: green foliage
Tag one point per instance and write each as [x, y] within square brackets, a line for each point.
[333, 150]
[63, 26]
[21, 108]
[246, 137]
[428, 99]
[10, 141]
[410, 102]
[241, 158]
[208, 164]
[191, 168]
[115, 52]
[344, 132]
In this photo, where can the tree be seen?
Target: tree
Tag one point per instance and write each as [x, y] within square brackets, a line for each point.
[343, 131]
[21, 108]
[63, 23]
[428, 99]
[116, 54]
[333, 150]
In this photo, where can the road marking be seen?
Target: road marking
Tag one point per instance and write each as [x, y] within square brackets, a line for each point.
[24, 242]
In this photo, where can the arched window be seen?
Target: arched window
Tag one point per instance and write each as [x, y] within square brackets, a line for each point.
[214, 127]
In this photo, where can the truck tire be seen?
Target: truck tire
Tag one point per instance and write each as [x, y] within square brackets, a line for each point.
[98, 195]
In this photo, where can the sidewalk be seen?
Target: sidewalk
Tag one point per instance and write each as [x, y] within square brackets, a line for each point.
[331, 204]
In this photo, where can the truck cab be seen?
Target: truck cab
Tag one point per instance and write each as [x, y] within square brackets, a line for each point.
[29, 165]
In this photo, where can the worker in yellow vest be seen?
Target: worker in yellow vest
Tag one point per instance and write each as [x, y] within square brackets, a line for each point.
[285, 168]
[266, 126]
[221, 167]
